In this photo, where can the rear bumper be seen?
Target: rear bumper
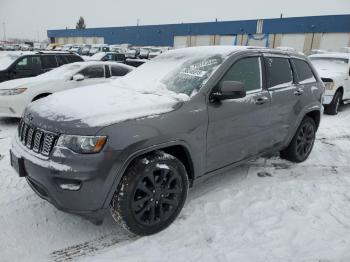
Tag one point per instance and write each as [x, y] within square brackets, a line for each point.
[94, 174]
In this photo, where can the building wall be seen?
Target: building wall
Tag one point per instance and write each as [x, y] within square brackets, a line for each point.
[302, 33]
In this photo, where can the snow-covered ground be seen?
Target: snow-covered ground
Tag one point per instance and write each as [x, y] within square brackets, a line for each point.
[266, 210]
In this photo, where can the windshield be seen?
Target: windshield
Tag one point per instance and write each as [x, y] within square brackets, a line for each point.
[182, 71]
[7, 60]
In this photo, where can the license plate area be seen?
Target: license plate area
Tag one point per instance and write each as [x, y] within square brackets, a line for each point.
[18, 165]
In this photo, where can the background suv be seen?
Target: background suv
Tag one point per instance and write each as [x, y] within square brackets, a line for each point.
[13, 66]
[186, 115]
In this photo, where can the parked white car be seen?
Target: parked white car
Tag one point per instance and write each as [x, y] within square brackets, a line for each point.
[334, 69]
[15, 95]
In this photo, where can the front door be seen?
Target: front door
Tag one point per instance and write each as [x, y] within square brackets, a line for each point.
[239, 128]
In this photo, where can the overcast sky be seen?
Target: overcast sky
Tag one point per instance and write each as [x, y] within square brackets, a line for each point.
[31, 18]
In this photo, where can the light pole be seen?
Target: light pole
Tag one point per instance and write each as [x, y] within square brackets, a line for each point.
[4, 28]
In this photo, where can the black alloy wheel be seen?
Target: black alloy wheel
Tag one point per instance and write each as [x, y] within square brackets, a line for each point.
[302, 143]
[151, 194]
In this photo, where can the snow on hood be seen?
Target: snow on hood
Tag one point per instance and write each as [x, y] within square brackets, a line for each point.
[104, 104]
[17, 83]
[329, 69]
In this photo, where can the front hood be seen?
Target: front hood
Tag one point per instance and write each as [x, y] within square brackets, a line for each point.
[16, 83]
[102, 105]
[27, 82]
[329, 72]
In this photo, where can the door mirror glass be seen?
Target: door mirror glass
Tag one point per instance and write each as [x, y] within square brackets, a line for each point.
[230, 90]
[78, 77]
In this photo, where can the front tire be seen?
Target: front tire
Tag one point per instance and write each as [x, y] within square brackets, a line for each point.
[333, 107]
[151, 194]
[302, 143]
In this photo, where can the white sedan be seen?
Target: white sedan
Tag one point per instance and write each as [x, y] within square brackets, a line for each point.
[15, 95]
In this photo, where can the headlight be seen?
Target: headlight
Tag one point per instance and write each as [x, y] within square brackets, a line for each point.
[82, 144]
[11, 92]
[329, 85]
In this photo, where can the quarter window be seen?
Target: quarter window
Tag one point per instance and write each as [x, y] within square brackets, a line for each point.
[93, 72]
[304, 72]
[247, 71]
[279, 72]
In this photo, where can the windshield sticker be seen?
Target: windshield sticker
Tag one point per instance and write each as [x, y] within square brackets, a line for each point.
[189, 72]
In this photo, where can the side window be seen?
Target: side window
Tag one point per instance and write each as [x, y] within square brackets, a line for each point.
[247, 71]
[74, 58]
[49, 61]
[304, 72]
[28, 63]
[61, 60]
[108, 57]
[279, 72]
[93, 72]
[23, 63]
[119, 71]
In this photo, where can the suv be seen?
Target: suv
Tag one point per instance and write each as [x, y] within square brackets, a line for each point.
[19, 65]
[334, 69]
[187, 114]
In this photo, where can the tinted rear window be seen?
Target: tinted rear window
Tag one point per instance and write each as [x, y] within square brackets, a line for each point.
[304, 72]
[279, 72]
[119, 71]
[61, 60]
[74, 58]
[48, 61]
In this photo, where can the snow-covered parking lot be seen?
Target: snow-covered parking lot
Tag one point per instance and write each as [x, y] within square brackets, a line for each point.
[266, 210]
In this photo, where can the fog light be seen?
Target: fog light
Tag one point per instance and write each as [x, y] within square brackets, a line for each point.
[71, 187]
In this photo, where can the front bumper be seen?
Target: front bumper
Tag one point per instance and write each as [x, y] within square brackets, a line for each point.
[12, 106]
[328, 97]
[93, 173]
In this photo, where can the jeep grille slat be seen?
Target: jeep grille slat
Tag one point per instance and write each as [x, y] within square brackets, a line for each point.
[38, 140]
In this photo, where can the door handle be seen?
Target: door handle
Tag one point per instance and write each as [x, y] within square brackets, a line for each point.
[299, 92]
[261, 100]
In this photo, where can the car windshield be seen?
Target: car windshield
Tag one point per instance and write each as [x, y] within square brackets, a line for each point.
[7, 60]
[182, 71]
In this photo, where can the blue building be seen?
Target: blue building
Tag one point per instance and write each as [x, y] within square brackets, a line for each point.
[302, 33]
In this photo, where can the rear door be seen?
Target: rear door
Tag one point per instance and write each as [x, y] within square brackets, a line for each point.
[306, 81]
[48, 62]
[239, 128]
[285, 103]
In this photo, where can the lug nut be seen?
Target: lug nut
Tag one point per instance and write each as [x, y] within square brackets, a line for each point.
[151, 199]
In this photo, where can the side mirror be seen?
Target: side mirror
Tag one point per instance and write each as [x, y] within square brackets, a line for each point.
[229, 90]
[78, 77]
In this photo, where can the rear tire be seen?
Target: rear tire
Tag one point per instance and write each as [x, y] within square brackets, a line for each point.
[333, 107]
[302, 143]
[151, 194]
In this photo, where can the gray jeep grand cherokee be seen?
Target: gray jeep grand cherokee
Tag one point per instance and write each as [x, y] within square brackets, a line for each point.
[135, 146]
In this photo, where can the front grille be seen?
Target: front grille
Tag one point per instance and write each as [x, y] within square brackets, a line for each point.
[36, 139]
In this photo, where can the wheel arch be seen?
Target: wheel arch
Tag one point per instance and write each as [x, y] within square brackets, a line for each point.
[179, 149]
[316, 116]
[42, 95]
